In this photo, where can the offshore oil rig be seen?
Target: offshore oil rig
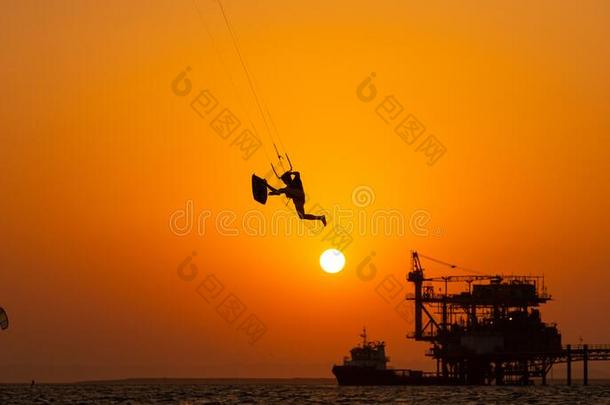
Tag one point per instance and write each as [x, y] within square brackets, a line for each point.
[483, 329]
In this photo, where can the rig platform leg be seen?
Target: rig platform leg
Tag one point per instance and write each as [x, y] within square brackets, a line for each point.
[585, 365]
[544, 370]
[569, 364]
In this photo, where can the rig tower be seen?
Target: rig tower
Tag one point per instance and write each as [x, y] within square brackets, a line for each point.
[490, 331]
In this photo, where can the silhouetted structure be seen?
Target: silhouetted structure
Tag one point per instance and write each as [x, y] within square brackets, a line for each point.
[492, 331]
[488, 332]
[368, 366]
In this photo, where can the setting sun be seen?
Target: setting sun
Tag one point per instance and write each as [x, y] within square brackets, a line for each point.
[332, 261]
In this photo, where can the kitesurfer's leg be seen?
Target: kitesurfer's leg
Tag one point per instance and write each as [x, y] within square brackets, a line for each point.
[300, 206]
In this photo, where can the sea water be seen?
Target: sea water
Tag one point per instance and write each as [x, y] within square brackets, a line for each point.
[186, 394]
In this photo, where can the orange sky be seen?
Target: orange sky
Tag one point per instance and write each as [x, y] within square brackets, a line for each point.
[97, 152]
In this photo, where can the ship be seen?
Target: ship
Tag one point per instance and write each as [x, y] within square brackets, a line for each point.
[368, 365]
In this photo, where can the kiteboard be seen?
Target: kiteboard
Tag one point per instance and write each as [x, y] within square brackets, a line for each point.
[259, 189]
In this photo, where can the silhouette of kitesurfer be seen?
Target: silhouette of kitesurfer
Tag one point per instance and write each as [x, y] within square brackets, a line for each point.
[294, 191]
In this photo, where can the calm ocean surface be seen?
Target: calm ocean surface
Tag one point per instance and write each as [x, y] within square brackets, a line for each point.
[296, 394]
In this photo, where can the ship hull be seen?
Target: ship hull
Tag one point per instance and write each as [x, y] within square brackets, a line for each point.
[359, 375]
